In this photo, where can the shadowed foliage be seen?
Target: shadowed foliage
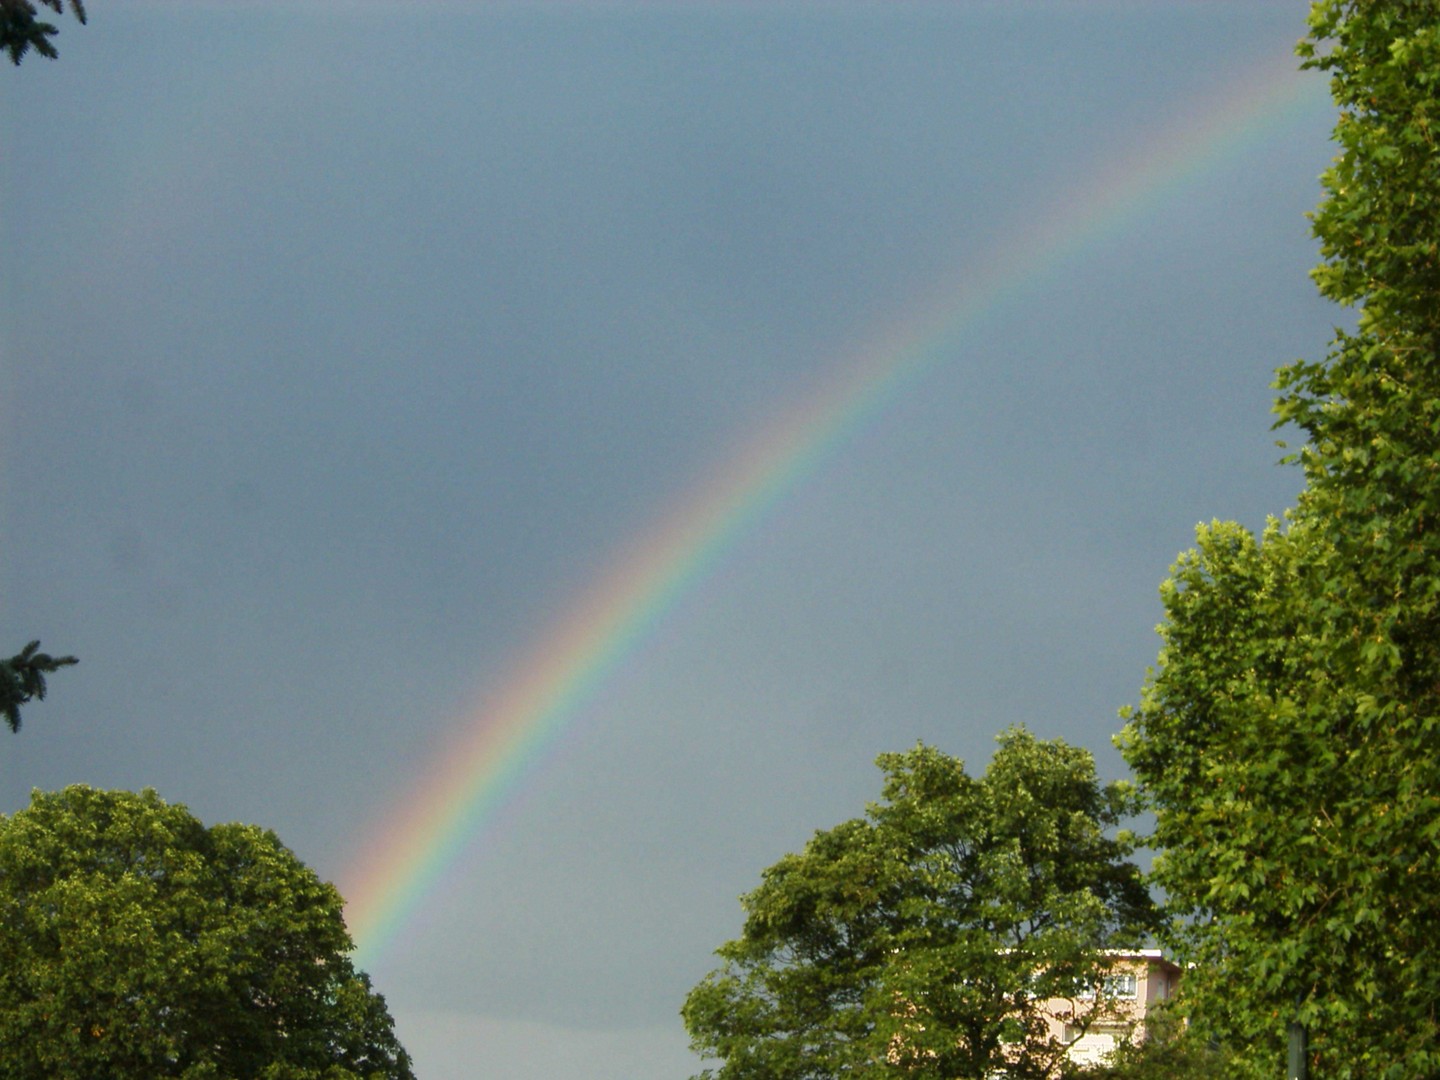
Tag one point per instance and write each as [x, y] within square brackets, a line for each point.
[136, 943]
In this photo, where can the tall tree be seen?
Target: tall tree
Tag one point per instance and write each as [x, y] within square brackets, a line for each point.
[21, 28]
[928, 936]
[136, 943]
[1287, 738]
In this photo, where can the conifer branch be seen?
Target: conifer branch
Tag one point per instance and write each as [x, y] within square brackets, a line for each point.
[22, 679]
[21, 30]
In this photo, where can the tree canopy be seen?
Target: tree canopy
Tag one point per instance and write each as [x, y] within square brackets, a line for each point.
[136, 943]
[930, 933]
[1286, 739]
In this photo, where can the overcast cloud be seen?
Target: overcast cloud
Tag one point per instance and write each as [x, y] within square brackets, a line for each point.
[345, 344]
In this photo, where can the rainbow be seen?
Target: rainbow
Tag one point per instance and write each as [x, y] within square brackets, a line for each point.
[505, 738]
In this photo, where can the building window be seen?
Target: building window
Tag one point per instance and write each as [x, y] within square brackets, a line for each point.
[1120, 985]
[1123, 985]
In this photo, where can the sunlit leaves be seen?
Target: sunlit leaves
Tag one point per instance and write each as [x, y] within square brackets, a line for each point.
[923, 937]
[1287, 737]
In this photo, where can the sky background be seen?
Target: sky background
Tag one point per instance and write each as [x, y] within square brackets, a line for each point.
[347, 345]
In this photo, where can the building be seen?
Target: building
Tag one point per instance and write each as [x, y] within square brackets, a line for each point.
[1138, 981]
[1083, 1028]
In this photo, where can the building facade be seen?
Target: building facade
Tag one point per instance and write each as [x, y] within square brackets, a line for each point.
[1097, 1020]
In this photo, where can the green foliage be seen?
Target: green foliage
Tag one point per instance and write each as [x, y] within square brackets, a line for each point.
[21, 30]
[1170, 1051]
[1286, 740]
[928, 935]
[136, 943]
[22, 678]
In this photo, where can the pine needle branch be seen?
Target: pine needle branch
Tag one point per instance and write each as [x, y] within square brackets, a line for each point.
[21, 30]
[22, 677]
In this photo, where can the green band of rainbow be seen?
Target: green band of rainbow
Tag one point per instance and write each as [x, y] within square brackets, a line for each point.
[503, 738]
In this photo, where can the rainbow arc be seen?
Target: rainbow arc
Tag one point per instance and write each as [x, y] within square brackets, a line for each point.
[507, 736]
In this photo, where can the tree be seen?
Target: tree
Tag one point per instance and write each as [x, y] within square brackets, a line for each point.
[1286, 739]
[22, 679]
[926, 937]
[1169, 1051]
[21, 30]
[137, 943]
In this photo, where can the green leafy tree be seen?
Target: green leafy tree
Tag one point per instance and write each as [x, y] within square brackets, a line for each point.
[1287, 738]
[22, 679]
[1169, 1051]
[21, 28]
[925, 938]
[136, 943]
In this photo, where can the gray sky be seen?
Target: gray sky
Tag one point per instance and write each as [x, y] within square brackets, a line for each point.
[346, 345]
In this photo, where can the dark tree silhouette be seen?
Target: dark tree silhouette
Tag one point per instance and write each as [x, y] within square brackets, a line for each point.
[21, 30]
[22, 678]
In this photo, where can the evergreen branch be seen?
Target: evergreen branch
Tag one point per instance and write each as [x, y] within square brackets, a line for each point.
[22, 677]
[21, 30]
